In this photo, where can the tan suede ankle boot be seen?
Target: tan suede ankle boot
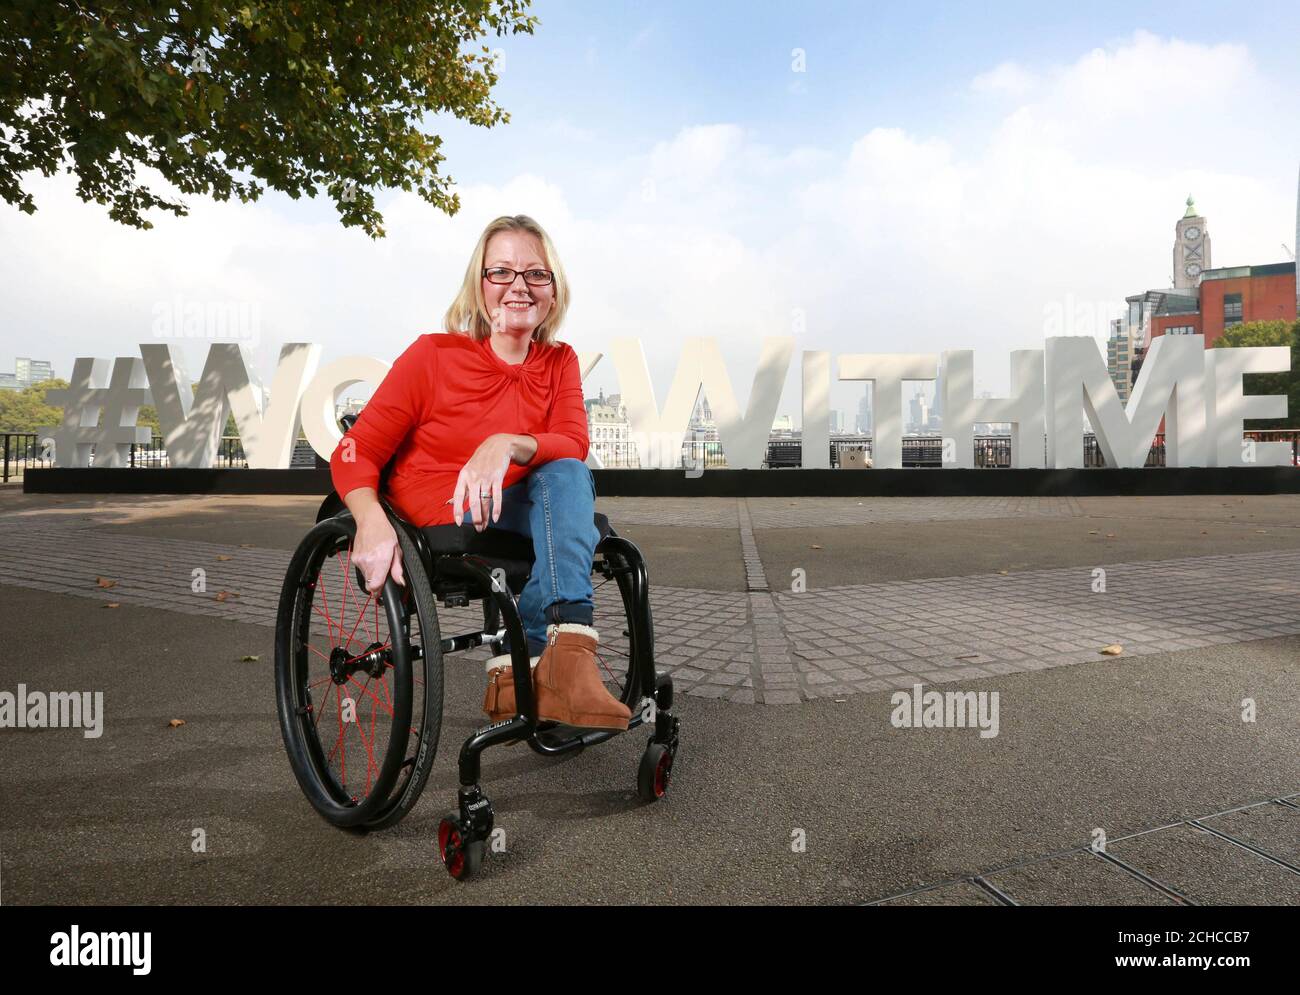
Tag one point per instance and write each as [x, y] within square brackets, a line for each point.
[567, 679]
[499, 700]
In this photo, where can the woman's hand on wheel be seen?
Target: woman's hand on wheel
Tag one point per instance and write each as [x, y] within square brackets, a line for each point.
[480, 480]
[376, 550]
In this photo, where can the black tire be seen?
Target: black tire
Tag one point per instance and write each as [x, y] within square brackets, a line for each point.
[461, 855]
[655, 773]
[420, 609]
[306, 600]
[613, 598]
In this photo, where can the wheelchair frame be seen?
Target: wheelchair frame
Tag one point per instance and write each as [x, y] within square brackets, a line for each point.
[454, 579]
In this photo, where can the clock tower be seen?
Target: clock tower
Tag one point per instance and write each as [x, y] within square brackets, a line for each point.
[1191, 248]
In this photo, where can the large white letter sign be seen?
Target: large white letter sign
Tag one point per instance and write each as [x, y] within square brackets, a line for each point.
[1227, 407]
[816, 445]
[92, 389]
[658, 437]
[268, 437]
[191, 431]
[318, 421]
[1023, 409]
[192, 423]
[744, 440]
[1172, 383]
[700, 367]
[888, 371]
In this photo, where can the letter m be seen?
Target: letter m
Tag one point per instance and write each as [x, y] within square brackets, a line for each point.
[1171, 384]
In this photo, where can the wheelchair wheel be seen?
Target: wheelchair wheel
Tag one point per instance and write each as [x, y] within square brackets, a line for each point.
[613, 611]
[353, 690]
[422, 632]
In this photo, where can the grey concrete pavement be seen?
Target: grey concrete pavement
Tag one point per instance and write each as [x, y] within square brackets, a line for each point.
[1128, 745]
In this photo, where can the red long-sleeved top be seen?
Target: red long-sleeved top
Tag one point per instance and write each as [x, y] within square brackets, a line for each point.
[444, 395]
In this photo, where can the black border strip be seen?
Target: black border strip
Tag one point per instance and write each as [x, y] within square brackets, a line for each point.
[919, 482]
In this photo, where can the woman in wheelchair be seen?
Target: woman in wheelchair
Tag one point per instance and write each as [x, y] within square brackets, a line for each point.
[464, 479]
[486, 424]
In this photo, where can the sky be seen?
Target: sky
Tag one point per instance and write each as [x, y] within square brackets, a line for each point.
[864, 177]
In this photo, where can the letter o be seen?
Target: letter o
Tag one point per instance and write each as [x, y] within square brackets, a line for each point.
[318, 400]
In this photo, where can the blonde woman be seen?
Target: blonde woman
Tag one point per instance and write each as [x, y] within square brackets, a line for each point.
[487, 427]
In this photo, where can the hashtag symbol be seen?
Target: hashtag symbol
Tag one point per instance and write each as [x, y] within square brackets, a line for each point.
[83, 401]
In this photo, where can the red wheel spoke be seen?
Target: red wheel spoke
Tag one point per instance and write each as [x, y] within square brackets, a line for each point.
[316, 722]
[343, 606]
[342, 746]
[366, 690]
[325, 601]
[369, 745]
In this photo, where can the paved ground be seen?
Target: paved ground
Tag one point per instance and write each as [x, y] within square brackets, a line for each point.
[788, 623]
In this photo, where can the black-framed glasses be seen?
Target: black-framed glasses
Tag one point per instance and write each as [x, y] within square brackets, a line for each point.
[504, 275]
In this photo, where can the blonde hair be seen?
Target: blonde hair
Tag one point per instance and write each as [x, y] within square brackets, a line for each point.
[468, 312]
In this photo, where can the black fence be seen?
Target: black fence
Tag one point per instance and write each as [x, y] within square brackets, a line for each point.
[24, 450]
[991, 451]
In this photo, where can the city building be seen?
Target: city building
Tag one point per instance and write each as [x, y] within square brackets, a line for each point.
[863, 421]
[1119, 357]
[1230, 296]
[1203, 300]
[609, 432]
[27, 373]
[1191, 248]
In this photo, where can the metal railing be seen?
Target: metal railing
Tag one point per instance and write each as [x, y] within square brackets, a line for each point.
[229, 456]
[24, 449]
[21, 450]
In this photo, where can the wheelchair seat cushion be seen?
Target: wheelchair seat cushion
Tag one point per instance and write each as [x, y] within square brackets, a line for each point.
[492, 543]
[511, 551]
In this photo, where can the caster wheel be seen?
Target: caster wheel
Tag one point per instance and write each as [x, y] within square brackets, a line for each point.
[664, 691]
[460, 855]
[655, 773]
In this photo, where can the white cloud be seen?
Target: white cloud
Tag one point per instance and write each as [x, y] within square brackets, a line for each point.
[1061, 192]
[1007, 77]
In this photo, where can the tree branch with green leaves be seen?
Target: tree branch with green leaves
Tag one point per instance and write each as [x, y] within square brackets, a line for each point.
[230, 99]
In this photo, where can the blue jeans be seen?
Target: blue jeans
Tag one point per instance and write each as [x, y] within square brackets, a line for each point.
[555, 505]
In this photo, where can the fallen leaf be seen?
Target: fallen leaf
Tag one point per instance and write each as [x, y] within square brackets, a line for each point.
[105, 582]
[1204, 533]
[1114, 649]
[246, 545]
[1001, 571]
[223, 557]
[1093, 532]
[814, 547]
[1110, 535]
[112, 604]
[223, 595]
[176, 722]
[250, 658]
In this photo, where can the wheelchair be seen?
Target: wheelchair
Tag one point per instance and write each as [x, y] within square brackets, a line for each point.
[359, 677]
